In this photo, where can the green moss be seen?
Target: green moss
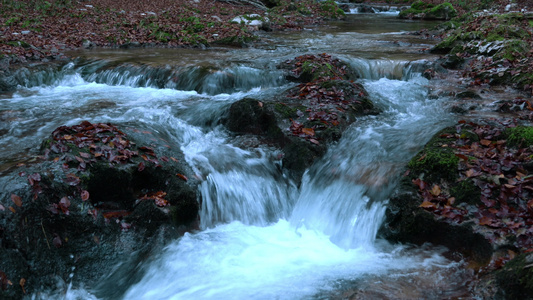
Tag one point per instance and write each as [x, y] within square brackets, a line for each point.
[516, 278]
[512, 49]
[520, 136]
[432, 164]
[286, 111]
[466, 192]
[330, 9]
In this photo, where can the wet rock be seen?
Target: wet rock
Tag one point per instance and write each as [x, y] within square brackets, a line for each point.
[303, 120]
[516, 277]
[468, 95]
[366, 9]
[450, 196]
[95, 199]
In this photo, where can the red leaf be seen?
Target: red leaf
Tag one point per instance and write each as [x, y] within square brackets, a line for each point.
[140, 167]
[16, 199]
[182, 177]
[84, 195]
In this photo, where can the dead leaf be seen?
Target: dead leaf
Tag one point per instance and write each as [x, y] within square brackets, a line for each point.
[16, 199]
[182, 177]
[308, 131]
[22, 282]
[428, 204]
[12, 209]
[435, 190]
[84, 195]
[485, 142]
[485, 221]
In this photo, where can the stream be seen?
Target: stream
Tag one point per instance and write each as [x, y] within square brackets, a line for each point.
[263, 236]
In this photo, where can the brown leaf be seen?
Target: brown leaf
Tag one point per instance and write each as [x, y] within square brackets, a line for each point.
[22, 282]
[140, 168]
[435, 190]
[485, 142]
[12, 209]
[308, 131]
[85, 155]
[469, 173]
[64, 204]
[16, 199]
[428, 204]
[84, 195]
[182, 177]
[485, 221]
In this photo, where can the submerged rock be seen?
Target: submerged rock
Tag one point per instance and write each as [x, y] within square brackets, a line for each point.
[94, 200]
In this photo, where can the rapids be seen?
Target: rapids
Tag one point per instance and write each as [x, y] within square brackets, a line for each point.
[263, 236]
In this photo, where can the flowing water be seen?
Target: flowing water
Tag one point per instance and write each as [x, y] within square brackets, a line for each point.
[263, 236]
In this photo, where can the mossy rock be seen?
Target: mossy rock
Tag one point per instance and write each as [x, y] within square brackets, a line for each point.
[253, 117]
[428, 11]
[520, 136]
[466, 192]
[516, 277]
[406, 222]
[512, 50]
[433, 164]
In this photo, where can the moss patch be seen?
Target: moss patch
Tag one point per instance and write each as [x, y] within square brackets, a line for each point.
[520, 136]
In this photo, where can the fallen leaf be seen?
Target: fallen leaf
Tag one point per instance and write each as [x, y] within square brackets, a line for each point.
[182, 177]
[12, 209]
[57, 241]
[22, 282]
[16, 199]
[140, 168]
[84, 195]
[308, 131]
[435, 190]
[485, 221]
[428, 204]
[485, 142]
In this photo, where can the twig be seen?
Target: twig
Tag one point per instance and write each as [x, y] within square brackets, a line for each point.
[45, 237]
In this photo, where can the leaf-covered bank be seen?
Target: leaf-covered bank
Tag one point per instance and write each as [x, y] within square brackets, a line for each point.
[45, 29]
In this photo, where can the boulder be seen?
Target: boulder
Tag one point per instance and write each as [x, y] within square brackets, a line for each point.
[304, 119]
[467, 189]
[94, 198]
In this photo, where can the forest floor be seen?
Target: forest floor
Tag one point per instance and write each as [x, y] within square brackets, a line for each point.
[36, 30]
